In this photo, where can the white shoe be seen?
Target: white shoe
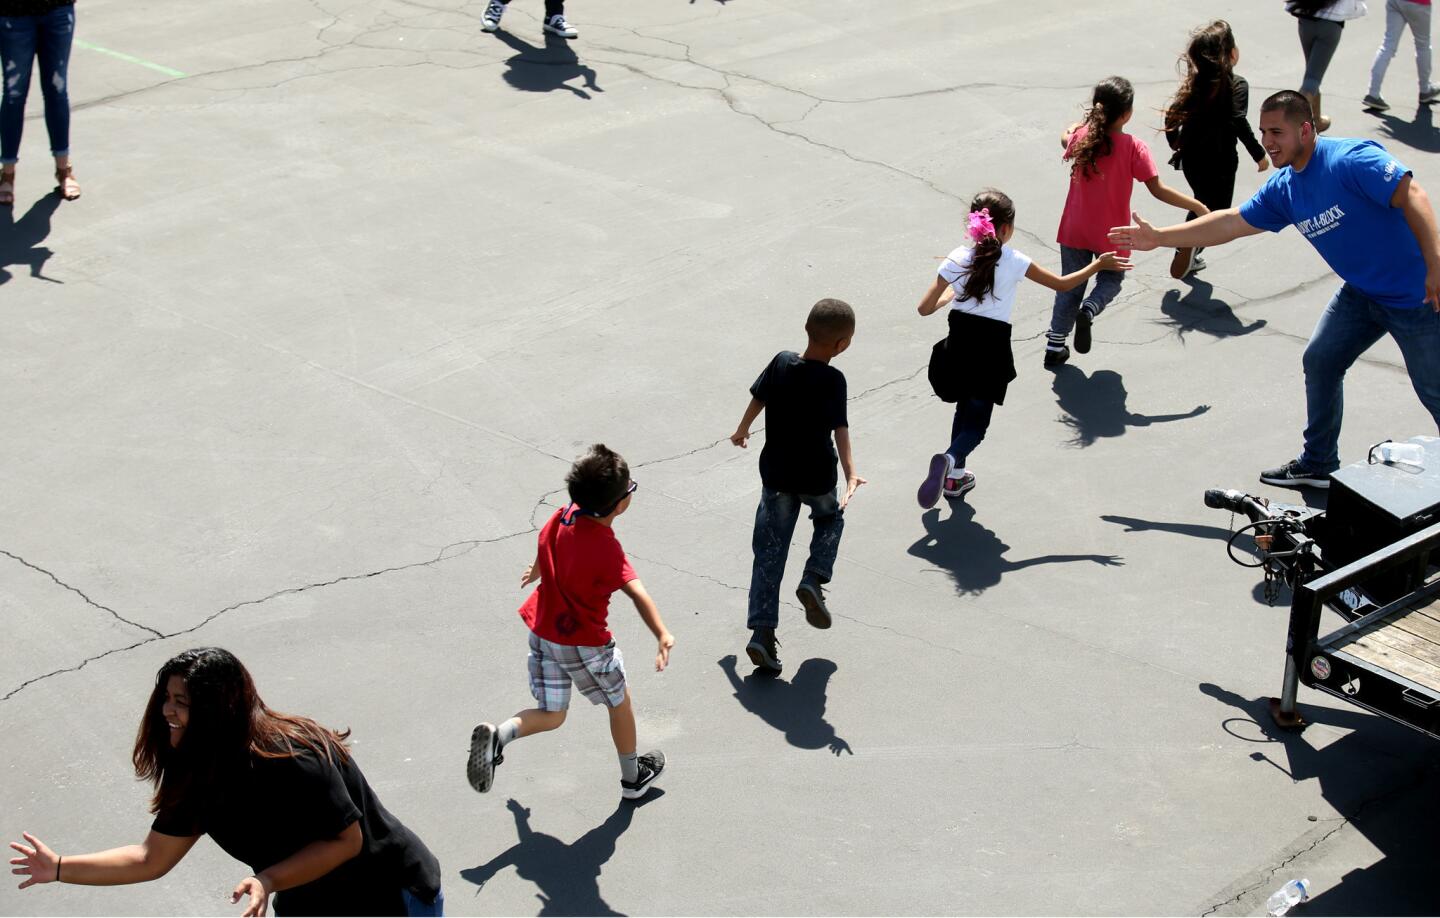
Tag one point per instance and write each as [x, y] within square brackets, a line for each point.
[490, 19]
[556, 25]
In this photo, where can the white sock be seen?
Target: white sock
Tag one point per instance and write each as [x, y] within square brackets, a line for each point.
[630, 767]
[508, 731]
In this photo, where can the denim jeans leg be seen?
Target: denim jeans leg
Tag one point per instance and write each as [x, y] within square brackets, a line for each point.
[1417, 331]
[554, 8]
[1067, 302]
[1346, 330]
[414, 905]
[17, 59]
[52, 48]
[1107, 287]
[829, 522]
[774, 526]
[972, 419]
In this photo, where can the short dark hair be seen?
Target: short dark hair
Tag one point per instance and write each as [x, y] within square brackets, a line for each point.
[1295, 106]
[598, 480]
[830, 320]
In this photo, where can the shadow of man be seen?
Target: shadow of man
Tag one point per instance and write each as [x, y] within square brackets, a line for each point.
[973, 556]
[20, 239]
[1199, 311]
[1095, 406]
[1420, 134]
[795, 708]
[547, 68]
[568, 875]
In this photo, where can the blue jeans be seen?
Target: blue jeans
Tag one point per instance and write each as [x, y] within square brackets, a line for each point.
[1068, 302]
[415, 906]
[774, 525]
[972, 419]
[22, 39]
[1348, 326]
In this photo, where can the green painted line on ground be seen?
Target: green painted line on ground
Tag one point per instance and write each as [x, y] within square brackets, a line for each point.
[170, 72]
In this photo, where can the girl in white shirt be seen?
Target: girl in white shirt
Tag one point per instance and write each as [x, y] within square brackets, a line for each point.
[973, 365]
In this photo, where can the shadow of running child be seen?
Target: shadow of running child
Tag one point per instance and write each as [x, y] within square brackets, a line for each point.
[20, 239]
[546, 68]
[568, 875]
[795, 708]
[1095, 406]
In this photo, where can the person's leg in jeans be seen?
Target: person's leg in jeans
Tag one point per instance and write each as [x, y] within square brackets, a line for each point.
[18, 35]
[972, 419]
[416, 906]
[52, 49]
[829, 522]
[774, 526]
[1417, 331]
[1067, 302]
[1107, 287]
[1347, 328]
[554, 8]
[1394, 25]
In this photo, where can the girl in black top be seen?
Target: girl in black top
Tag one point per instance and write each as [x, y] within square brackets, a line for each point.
[31, 29]
[1210, 112]
[278, 792]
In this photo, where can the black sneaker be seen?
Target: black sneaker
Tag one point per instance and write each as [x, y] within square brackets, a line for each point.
[1294, 475]
[651, 764]
[764, 649]
[1055, 358]
[484, 756]
[812, 597]
[1083, 319]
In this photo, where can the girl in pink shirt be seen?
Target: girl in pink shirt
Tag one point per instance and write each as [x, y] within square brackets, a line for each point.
[1104, 161]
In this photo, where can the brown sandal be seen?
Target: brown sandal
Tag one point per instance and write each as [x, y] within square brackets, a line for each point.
[68, 188]
[7, 188]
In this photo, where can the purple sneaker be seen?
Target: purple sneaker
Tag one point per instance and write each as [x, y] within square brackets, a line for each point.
[941, 467]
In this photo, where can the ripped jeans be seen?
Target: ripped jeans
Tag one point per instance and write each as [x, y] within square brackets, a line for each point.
[22, 40]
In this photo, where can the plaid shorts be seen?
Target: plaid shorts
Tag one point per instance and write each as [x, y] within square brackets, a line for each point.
[599, 673]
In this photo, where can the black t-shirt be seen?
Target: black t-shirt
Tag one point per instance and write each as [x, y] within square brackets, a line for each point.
[31, 7]
[804, 402]
[278, 806]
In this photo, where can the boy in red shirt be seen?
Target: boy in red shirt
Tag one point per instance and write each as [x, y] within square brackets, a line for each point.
[579, 563]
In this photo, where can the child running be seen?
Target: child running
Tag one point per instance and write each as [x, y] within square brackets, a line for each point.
[803, 398]
[1104, 160]
[974, 365]
[579, 563]
[1210, 112]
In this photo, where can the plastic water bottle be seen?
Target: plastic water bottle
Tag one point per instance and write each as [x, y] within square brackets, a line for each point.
[1403, 453]
[1284, 898]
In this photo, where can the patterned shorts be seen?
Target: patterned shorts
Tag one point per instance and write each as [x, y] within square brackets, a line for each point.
[598, 672]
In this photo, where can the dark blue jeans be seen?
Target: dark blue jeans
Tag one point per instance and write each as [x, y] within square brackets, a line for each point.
[414, 905]
[774, 525]
[1348, 326]
[22, 40]
[1068, 302]
[972, 419]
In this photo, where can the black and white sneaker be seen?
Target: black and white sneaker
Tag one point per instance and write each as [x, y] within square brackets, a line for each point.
[1197, 265]
[651, 764]
[812, 597]
[1373, 103]
[484, 756]
[556, 25]
[1054, 358]
[490, 19]
[1431, 94]
[764, 649]
[1083, 320]
[1294, 475]
[958, 487]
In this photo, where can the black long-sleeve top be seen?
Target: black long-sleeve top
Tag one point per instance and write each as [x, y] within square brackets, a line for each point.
[1211, 131]
[31, 7]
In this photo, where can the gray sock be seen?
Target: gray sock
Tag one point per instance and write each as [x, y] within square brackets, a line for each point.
[630, 767]
[506, 732]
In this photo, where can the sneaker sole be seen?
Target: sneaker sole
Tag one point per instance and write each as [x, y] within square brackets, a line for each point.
[760, 658]
[480, 770]
[1321, 483]
[565, 35]
[1180, 264]
[815, 612]
[635, 793]
[1083, 321]
[490, 28]
[1383, 107]
[1053, 362]
[929, 493]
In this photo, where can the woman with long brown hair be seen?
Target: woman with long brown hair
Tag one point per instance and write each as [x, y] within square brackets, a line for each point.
[278, 792]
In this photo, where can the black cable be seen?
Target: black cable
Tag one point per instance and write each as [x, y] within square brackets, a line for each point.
[1230, 545]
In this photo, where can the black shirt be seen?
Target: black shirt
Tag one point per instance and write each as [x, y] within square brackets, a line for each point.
[278, 806]
[1210, 131]
[804, 402]
[31, 7]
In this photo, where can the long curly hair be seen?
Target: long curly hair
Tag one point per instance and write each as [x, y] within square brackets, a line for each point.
[1112, 100]
[1207, 77]
[980, 277]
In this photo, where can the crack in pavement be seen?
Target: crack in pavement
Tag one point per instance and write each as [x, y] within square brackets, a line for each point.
[81, 593]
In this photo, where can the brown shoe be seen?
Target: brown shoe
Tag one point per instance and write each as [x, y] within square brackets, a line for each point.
[7, 188]
[1180, 264]
[68, 188]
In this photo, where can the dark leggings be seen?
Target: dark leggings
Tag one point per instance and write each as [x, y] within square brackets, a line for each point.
[1212, 181]
[552, 7]
[972, 419]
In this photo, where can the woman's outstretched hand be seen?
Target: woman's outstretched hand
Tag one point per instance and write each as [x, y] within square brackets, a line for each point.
[37, 862]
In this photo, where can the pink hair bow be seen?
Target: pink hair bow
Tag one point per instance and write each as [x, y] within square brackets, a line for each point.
[980, 224]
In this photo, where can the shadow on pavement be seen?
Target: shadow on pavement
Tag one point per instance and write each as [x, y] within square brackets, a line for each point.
[20, 239]
[973, 556]
[1199, 311]
[1419, 134]
[795, 708]
[546, 68]
[1094, 406]
[1381, 777]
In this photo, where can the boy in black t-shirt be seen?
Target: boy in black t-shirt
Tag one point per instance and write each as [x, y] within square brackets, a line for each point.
[803, 398]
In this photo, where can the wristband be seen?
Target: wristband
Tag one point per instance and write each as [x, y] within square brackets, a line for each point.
[59, 859]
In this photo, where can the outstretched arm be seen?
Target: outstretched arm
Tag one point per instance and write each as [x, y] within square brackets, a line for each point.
[650, 614]
[934, 298]
[1106, 262]
[847, 465]
[1212, 229]
[149, 860]
[1415, 203]
[1163, 192]
[741, 436]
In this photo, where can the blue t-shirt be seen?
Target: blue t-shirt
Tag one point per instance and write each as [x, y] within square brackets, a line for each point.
[1341, 203]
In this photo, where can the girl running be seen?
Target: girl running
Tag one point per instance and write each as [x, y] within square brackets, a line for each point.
[1210, 112]
[1104, 160]
[277, 792]
[973, 366]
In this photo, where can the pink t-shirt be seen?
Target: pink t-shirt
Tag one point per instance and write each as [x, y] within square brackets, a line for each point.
[1102, 199]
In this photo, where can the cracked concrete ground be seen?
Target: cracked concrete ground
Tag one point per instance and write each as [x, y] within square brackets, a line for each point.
[301, 373]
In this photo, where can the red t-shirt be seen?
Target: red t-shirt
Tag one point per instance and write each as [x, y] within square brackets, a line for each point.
[1101, 199]
[580, 564]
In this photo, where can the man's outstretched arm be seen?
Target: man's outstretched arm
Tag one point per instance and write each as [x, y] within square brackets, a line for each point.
[1215, 228]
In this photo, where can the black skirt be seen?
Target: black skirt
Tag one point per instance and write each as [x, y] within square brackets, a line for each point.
[973, 361]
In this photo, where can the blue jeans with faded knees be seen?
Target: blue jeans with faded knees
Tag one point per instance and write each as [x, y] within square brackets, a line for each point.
[1348, 326]
[22, 40]
[774, 525]
[1068, 302]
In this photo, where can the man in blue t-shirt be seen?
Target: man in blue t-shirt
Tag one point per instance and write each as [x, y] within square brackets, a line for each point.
[1374, 226]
